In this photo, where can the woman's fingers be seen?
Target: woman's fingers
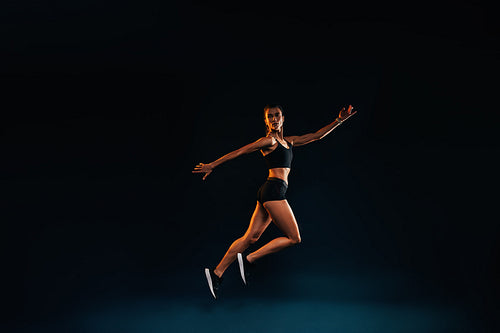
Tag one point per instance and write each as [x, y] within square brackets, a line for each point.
[346, 115]
[349, 115]
[202, 168]
[199, 166]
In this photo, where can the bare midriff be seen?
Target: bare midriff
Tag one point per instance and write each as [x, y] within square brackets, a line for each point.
[281, 173]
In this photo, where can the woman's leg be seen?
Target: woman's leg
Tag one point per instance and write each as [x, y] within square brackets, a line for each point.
[259, 222]
[282, 215]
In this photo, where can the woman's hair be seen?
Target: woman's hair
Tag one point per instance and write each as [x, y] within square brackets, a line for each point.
[267, 107]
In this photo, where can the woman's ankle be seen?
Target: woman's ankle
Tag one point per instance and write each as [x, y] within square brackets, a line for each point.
[249, 259]
[219, 274]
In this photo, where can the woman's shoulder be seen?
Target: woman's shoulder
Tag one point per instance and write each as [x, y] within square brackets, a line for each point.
[264, 143]
[290, 139]
[268, 140]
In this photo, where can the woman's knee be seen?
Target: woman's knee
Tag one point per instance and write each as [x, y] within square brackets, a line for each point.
[250, 239]
[295, 239]
[253, 239]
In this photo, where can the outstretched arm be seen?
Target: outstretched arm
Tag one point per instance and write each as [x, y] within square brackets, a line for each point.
[251, 147]
[301, 140]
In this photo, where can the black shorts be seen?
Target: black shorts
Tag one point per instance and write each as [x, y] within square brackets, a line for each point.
[272, 189]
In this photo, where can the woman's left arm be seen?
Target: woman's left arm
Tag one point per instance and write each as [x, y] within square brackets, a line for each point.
[301, 140]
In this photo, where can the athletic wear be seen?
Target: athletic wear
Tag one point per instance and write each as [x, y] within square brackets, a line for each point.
[245, 267]
[272, 189]
[213, 281]
[280, 157]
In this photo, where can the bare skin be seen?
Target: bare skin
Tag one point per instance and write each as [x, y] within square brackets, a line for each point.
[277, 211]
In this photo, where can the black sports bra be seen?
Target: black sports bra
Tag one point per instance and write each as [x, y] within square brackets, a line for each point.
[280, 157]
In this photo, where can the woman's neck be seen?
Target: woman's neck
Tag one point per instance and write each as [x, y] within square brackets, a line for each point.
[277, 135]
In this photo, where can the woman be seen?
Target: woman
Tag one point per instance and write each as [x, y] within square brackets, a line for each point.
[271, 201]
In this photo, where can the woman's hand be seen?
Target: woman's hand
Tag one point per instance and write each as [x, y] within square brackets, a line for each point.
[345, 114]
[204, 168]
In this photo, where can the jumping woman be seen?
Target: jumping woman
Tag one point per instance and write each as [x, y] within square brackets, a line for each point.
[271, 201]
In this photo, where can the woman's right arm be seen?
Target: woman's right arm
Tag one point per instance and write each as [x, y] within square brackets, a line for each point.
[251, 147]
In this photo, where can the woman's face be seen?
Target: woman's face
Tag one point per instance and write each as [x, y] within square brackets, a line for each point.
[274, 119]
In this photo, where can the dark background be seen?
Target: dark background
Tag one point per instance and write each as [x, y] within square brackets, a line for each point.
[107, 107]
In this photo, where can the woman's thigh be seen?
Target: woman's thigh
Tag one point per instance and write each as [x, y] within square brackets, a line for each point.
[259, 222]
[282, 215]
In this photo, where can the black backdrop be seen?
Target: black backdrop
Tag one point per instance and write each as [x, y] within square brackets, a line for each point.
[106, 108]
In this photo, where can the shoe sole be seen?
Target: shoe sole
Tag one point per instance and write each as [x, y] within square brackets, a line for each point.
[242, 268]
[209, 279]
